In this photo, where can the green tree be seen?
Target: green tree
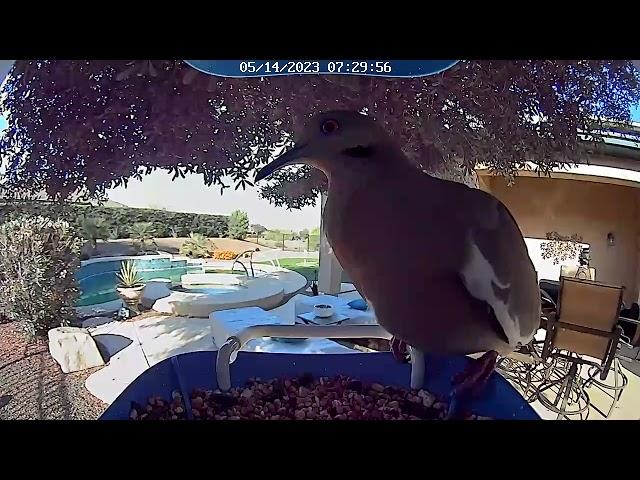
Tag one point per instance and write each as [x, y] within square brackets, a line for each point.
[258, 229]
[238, 225]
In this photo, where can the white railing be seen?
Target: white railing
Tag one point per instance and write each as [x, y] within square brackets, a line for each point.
[236, 342]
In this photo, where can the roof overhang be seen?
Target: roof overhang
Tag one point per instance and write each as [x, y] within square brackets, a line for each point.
[584, 172]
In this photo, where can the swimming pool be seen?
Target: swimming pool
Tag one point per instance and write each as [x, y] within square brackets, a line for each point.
[197, 287]
[97, 279]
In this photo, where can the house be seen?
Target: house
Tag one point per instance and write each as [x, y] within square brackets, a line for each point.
[598, 200]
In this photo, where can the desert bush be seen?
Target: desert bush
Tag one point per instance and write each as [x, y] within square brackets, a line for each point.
[196, 246]
[93, 229]
[38, 259]
[143, 235]
[118, 231]
[276, 235]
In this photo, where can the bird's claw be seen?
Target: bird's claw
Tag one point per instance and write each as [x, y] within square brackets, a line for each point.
[470, 383]
[399, 349]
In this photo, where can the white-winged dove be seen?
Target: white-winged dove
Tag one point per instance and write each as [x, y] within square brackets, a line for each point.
[444, 265]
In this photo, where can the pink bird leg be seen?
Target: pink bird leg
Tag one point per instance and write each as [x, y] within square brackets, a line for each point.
[399, 349]
[469, 383]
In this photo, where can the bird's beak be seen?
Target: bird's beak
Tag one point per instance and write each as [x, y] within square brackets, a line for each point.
[290, 157]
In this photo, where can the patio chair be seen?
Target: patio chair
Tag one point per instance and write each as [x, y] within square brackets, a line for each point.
[628, 350]
[549, 290]
[586, 324]
[581, 272]
[630, 323]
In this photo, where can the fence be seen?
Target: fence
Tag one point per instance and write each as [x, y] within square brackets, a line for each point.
[289, 242]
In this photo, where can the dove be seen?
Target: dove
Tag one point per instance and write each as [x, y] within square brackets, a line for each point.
[444, 266]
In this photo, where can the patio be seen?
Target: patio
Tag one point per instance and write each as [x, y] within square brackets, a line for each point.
[159, 337]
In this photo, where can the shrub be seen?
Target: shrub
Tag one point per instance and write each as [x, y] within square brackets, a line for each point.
[117, 231]
[238, 225]
[38, 259]
[142, 233]
[276, 235]
[196, 246]
[94, 229]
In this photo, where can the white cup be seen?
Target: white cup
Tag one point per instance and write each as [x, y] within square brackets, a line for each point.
[322, 310]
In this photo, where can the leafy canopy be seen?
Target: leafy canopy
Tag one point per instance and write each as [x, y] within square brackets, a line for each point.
[80, 127]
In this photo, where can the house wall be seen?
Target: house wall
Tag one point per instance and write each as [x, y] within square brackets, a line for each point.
[589, 209]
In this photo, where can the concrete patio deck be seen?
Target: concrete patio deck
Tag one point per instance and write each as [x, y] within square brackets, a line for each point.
[161, 337]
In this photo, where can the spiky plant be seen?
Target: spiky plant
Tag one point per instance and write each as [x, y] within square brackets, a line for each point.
[128, 275]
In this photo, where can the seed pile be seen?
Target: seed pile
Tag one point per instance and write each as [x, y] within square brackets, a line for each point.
[302, 398]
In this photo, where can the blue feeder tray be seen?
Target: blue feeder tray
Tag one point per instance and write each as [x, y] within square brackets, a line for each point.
[196, 370]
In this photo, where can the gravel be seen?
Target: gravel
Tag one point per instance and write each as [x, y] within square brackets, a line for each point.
[33, 387]
[302, 398]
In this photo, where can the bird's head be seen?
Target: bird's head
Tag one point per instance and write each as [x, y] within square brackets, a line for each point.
[334, 141]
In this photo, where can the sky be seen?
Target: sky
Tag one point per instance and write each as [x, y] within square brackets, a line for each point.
[191, 195]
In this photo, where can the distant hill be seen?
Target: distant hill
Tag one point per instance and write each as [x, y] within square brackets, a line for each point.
[111, 203]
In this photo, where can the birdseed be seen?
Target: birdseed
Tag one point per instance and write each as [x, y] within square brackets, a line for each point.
[301, 398]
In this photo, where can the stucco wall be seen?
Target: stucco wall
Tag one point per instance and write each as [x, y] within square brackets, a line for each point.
[590, 209]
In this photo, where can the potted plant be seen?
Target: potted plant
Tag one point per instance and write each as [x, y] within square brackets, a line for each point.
[130, 285]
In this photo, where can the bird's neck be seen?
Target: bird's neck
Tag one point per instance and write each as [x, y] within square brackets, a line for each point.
[365, 172]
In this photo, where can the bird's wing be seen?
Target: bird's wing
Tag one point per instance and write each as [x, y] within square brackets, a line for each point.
[498, 270]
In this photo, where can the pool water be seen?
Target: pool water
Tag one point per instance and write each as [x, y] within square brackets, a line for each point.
[98, 280]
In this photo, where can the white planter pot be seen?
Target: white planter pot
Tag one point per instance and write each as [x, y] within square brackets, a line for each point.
[131, 296]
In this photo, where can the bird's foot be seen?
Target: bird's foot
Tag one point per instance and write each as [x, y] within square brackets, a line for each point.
[469, 383]
[399, 349]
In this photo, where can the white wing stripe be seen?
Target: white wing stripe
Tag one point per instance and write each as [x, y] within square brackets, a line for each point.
[479, 278]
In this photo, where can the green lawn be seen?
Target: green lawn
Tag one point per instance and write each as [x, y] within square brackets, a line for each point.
[305, 266]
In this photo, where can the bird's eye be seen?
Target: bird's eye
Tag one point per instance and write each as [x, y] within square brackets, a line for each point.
[329, 126]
